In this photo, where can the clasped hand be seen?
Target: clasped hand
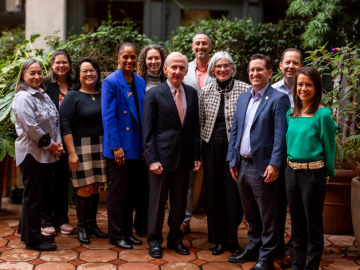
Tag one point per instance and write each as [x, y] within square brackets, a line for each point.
[157, 168]
[271, 173]
[57, 148]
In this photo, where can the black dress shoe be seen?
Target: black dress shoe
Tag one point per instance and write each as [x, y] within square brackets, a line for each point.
[219, 249]
[244, 257]
[126, 244]
[155, 252]
[48, 239]
[263, 265]
[179, 248]
[134, 240]
[43, 246]
[235, 248]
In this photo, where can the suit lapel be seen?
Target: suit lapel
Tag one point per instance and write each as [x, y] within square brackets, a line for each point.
[170, 100]
[263, 102]
[243, 108]
[193, 75]
[140, 93]
[128, 95]
[188, 103]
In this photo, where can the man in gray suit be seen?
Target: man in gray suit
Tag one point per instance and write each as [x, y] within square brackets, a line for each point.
[197, 77]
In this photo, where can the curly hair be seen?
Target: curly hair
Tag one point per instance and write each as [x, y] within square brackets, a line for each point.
[141, 65]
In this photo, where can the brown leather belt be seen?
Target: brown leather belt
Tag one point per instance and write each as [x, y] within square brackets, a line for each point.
[306, 166]
[247, 159]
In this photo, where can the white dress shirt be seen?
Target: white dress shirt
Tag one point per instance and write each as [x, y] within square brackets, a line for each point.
[245, 146]
[35, 116]
[182, 95]
[280, 86]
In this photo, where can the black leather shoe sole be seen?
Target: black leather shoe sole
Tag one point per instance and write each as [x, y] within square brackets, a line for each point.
[179, 251]
[135, 241]
[242, 260]
[48, 239]
[157, 254]
[122, 244]
[45, 246]
[219, 249]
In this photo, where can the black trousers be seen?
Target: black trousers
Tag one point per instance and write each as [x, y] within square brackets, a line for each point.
[122, 196]
[35, 174]
[160, 184]
[224, 210]
[282, 201]
[261, 209]
[305, 190]
[142, 204]
[55, 207]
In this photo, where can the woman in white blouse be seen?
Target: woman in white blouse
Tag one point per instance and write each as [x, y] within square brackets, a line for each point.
[38, 145]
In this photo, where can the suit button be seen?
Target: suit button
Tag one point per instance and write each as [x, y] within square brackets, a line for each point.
[127, 128]
[125, 111]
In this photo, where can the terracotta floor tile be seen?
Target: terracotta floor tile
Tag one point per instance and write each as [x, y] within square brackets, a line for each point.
[144, 244]
[243, 242]
[12, 223]
[196, 233]
[242, 233]
[36, 261]
[6, 232]
[331, 253]
[10, 237]
[98, 243]
[66, 243]
[248, 265]
[3, 224]
[220, 266]
[158, 262]
[117, 262]
[138, 266]
[117, 249]
[342, 240]
[16, 266]
[60, 255]
[80, 249]
[202, 243]
[55, 266]
[342, 265]
[19, 255]
[5, 248]
[16, 243]
[206, 255]
[96, 266]
[179, 266]
[198, 262]
[135, 255]
[194, 249]
[98, 255]
[77, 262]
[172, 256]
[3, 242]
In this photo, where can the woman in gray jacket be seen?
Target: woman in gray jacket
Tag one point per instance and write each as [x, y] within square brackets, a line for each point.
[217, 109]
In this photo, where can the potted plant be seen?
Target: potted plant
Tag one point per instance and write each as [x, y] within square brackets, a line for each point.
[343, 65]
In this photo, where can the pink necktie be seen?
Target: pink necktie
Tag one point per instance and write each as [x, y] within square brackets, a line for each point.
[179, 105]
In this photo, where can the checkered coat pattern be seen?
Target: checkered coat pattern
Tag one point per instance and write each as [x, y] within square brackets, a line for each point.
[210, 100]
[92, 164]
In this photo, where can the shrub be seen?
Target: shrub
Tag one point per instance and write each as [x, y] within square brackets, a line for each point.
[9, 40]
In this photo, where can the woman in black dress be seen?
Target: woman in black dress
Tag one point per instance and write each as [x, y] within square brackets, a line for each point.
[55, 208]
[82, 131]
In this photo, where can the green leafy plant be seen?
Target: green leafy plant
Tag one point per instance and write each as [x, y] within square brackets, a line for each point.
[241, 38]
[8, 40]
[342, 64]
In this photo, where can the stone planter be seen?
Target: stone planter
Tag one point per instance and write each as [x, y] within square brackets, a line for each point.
[337, 205]
[355, 208]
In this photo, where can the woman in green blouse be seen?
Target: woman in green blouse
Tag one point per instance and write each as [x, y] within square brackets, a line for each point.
[310, 143]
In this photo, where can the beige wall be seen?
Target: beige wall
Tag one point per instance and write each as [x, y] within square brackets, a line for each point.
[44, 17]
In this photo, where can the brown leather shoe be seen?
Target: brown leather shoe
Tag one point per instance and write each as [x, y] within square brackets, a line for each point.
[185, 228]
[287, 261]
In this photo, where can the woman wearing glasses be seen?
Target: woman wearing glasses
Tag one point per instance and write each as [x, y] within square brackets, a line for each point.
[55, 208]
[82, 131]
[122, 102]
[217, 109]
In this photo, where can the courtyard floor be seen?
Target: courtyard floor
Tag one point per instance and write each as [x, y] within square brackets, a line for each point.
[339, 251]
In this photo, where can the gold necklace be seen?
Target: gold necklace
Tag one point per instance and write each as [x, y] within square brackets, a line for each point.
[92, 97]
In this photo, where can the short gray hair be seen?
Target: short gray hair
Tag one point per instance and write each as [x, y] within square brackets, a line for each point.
[21, 85]
[173, 54]
[202, 33]
[218, 56]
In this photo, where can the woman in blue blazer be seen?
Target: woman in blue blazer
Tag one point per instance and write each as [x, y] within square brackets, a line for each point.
[122, 96]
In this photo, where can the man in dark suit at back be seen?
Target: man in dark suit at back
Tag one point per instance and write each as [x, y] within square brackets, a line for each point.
[172, 149]
[257, 153]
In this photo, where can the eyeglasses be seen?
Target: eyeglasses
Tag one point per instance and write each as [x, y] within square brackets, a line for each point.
[64, 63]
[85, 71]
[226, 66]
[258, 70]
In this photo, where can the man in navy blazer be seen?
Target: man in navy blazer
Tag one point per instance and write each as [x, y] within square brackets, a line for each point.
[172, 148]
[257, 153]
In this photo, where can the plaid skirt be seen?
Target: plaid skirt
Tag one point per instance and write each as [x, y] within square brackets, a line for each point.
[92, 164]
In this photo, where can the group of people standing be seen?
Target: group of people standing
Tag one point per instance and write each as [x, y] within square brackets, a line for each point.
[149, 134]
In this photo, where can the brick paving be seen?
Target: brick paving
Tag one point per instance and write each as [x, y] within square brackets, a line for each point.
[339, 251]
